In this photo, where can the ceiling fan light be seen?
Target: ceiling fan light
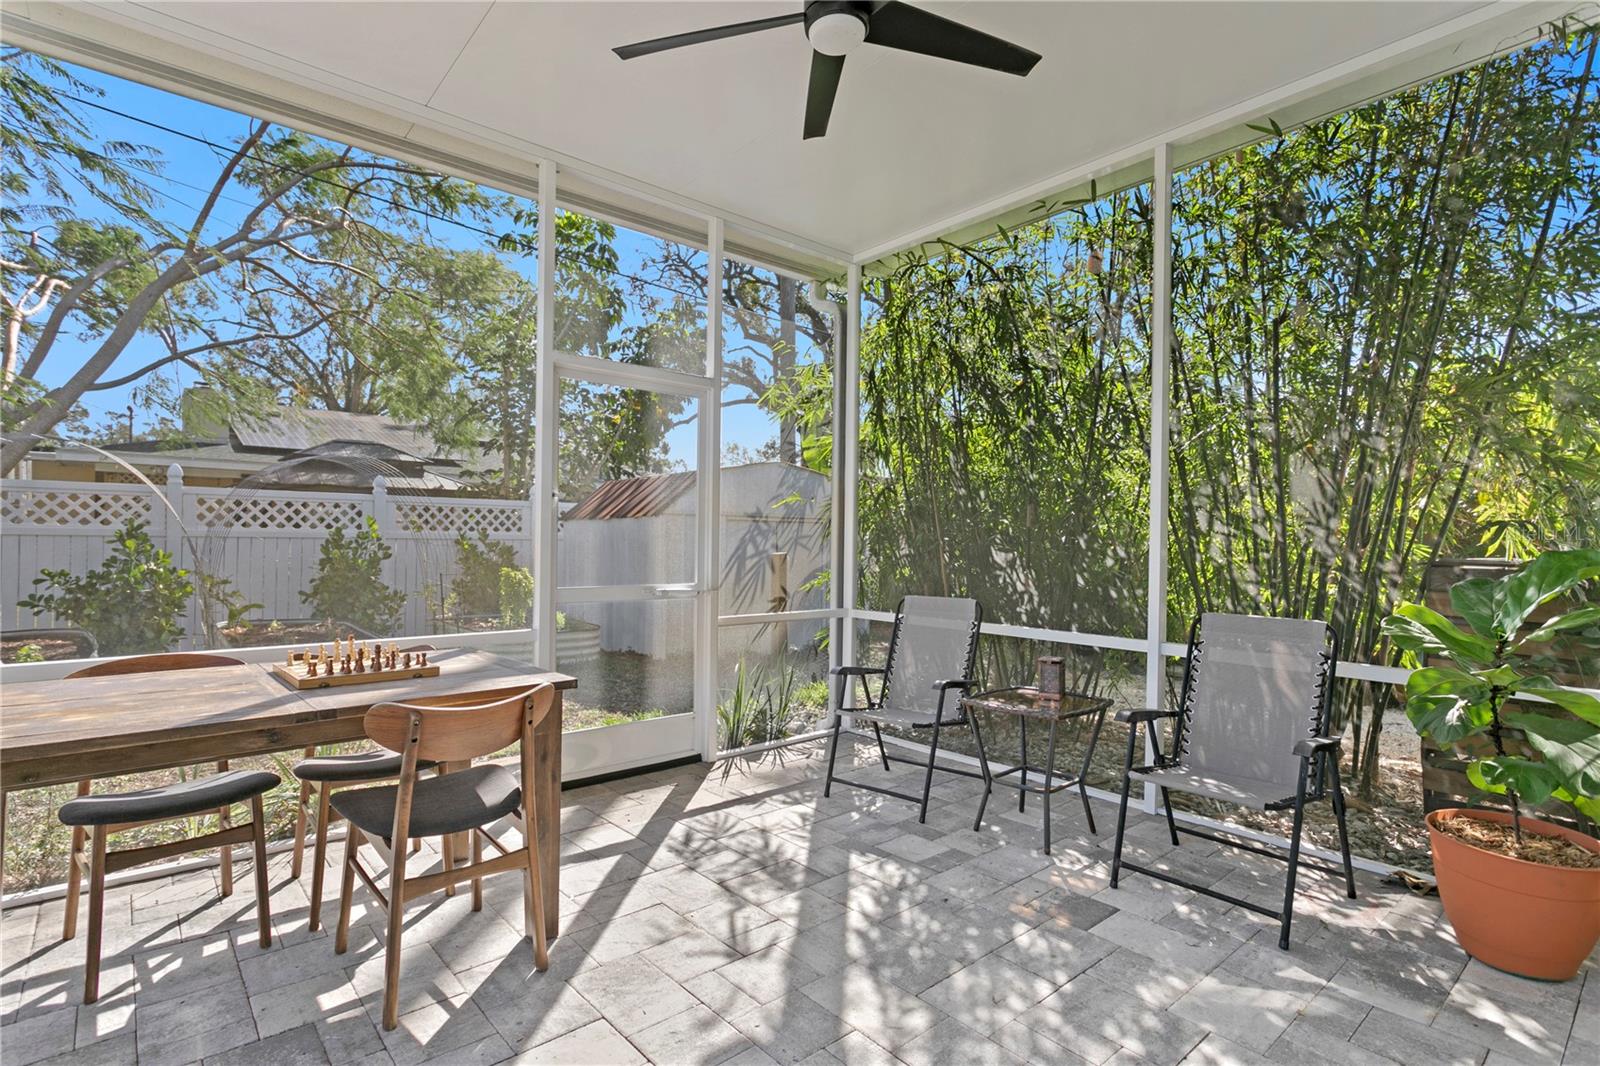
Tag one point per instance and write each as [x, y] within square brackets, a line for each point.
[836, 33]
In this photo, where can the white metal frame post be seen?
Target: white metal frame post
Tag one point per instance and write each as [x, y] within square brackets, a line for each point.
[546, 494]
[709, 567]
[1160, 433]
[847, 464]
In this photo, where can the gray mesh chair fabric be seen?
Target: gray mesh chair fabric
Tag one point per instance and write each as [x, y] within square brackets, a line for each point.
[1255, 693]
[933, 642]
[1250, 729]
[931, 655]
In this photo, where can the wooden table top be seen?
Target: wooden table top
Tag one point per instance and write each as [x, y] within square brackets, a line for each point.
[42, 719]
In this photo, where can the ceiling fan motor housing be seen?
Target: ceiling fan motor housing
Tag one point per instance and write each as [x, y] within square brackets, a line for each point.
[836, 27]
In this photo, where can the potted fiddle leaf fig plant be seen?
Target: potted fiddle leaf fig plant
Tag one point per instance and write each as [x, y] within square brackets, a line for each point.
[1522, 893]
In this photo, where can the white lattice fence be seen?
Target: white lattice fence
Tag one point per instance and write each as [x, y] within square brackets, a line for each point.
[266, 543]
[279, 512]
[495, 517]
[64, 505]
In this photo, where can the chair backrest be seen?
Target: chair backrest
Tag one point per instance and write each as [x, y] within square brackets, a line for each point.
[149, 664]
[935, 639]
[1254, 688]
[445, 729]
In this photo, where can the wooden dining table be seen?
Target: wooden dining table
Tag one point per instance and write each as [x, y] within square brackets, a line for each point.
[66, 730]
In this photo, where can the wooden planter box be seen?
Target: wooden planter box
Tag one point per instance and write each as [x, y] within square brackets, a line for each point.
[259, 632]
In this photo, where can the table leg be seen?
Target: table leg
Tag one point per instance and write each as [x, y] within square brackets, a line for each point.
[547, 795]
[1083, 774]
[1022, 766]
[1049, 769]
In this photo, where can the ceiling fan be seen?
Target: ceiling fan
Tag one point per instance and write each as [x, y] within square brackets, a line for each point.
[836, 27]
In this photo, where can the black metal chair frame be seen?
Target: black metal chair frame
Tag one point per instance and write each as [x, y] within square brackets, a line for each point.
[885, 673]
[1319, 779]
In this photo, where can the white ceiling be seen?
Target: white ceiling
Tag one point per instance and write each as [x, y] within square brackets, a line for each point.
[914, 141]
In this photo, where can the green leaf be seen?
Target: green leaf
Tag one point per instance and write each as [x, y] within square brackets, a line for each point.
[1581, 704]
[1421, 629]
[1532, 781]
[1571, 748]
[1477, 600]
[1447, 704]
[1577, 619]
[1546, 577]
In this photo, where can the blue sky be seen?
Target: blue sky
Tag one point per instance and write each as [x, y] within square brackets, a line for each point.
[176, 126]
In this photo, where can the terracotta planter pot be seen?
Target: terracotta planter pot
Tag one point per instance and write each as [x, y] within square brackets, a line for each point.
[1518, 916]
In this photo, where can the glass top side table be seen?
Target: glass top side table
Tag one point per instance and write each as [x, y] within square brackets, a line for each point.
[1026, 703]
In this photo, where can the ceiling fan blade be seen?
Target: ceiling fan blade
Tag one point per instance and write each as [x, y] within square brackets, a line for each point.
[825, 71]
[716, 33]
[910, 29]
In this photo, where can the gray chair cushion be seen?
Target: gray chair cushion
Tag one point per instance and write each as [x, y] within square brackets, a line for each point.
[1245, 791]
[895, 717]
[359, 766]
[447, 804]
[202, 795]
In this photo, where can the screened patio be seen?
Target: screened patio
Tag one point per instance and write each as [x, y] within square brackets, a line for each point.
[1262, 309]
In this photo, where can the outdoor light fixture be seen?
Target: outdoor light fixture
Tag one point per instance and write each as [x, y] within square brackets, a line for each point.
[837, 32]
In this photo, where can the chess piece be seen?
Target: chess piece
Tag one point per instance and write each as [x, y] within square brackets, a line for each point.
[327, 669]
[408, 660]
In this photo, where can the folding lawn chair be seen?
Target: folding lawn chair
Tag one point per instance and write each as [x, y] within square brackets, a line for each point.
[932, 651]
[1251, 728]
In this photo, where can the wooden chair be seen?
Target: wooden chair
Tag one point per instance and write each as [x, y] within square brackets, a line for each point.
[144, 664]
[319, 776]
[113, 812]
[467, 800]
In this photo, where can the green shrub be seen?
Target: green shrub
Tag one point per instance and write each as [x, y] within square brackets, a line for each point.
[131, 603]
[349, 586]
[28, 653]
[516, 597]
[479, 566]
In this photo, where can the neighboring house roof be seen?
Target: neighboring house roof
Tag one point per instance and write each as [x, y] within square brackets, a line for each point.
[350, 464]
[349, 449]
[632, 497]
[294, 429]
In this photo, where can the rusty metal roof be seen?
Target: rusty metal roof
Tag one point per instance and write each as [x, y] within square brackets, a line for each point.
[632, 497]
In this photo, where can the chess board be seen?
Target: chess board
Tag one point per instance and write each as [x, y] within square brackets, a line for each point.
[352, 664]
[295, 676]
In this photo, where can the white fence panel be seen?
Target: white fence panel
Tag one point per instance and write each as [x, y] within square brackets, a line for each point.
[57, 525]
[266, 542]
